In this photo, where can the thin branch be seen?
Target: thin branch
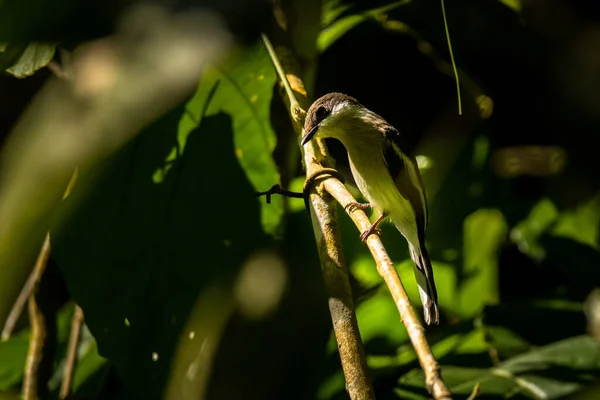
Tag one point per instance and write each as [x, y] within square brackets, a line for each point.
[71, 358]
[43, 305]
[327, 235]
[475, 392]
[323, 213]
[294, 105]
[34, 276]
[385, 267]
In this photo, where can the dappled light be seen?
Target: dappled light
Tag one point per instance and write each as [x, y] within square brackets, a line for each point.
[177, 222]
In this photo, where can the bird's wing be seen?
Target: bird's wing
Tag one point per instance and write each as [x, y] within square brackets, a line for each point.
[405, 173]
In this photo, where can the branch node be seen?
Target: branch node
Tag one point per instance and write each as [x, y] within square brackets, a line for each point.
[276, 189]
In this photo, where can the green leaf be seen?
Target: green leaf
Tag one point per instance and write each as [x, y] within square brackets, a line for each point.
[549, 372]
[514, 5]
[484, 232]
[13, 354]
[35, 57]
[372, 322]
[336, 28]
[166, 217]
[528, 232]
[242, 89]
[581, 224]
[87, 365]
[10, 54]
[580, 352]
[332, 9]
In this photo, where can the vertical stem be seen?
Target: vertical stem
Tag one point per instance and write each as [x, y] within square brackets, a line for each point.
[341, 305]
[71, 358]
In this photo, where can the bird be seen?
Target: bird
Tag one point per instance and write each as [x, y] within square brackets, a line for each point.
[386, 174]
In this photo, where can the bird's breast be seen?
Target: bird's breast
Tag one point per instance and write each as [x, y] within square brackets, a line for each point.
[373, 179]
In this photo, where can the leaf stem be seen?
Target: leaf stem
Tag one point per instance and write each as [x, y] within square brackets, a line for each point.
[294, 105]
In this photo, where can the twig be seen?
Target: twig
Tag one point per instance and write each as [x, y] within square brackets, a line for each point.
[276, 189]
[333, 263]
[484, 102]
[57, 70]
[385, 267]
[71, 358]
[48, 296]
[476, 392]
[323, 211]
[34, 277]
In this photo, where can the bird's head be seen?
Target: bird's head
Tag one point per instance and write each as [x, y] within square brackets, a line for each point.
[324, 110]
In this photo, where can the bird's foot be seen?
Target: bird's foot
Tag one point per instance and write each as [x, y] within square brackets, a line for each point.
[368, 232]
[357, 206]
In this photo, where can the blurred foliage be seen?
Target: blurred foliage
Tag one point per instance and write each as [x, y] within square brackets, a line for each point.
[164, 233]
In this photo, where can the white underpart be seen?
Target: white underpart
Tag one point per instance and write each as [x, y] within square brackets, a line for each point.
[365, 152]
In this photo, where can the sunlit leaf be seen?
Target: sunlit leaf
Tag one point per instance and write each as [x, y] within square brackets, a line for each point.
[581, 224]
[364, 269]
[242, 88]
[484, 232]
[378, 318]
[35, 57]
[527, 232]
[515, 5]
[337, 28]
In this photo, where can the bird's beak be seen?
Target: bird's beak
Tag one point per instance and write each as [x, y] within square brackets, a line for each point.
[309, 135]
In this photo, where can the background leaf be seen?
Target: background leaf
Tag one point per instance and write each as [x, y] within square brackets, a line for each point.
[34, 57]
[149, 273]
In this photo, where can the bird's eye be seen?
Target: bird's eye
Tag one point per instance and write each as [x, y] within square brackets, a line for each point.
[321, 113]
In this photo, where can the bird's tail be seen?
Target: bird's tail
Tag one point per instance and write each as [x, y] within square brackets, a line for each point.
[424, 277]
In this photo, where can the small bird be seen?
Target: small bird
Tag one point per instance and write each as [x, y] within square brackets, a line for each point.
[385, 173]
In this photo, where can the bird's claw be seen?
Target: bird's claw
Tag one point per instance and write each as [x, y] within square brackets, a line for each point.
[368, 232]
[357, 206]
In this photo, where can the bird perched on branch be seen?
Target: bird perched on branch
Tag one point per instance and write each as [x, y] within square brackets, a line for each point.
[385, 173]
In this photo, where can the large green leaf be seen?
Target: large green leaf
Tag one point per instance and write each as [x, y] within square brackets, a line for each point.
[152, 234]
[243, 90]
